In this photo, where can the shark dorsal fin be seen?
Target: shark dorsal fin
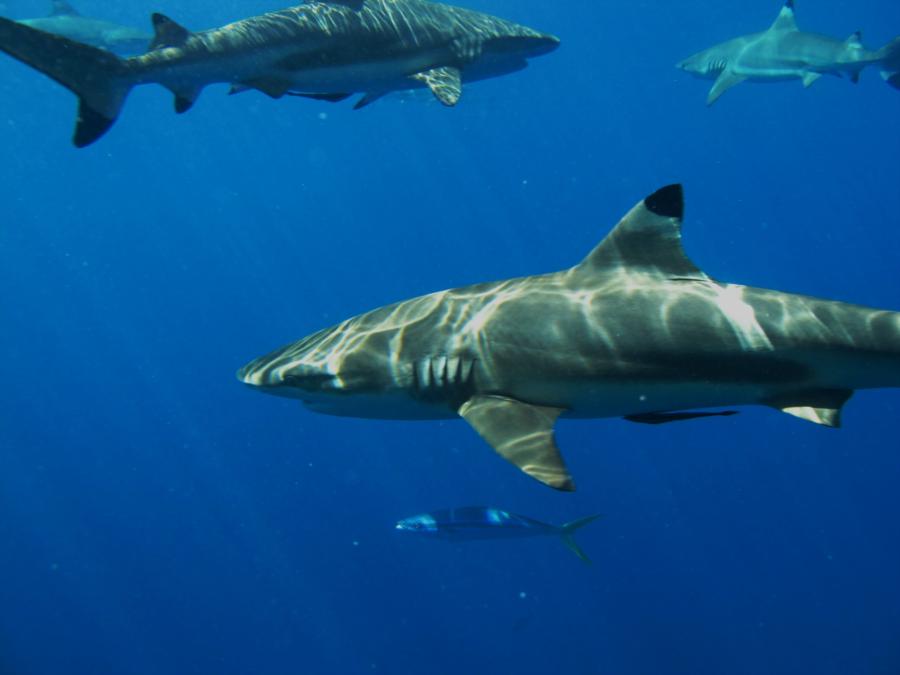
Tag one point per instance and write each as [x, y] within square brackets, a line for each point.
[785, 21]
[854, 40]
[167, 33]
[647, 239]
[62, 8]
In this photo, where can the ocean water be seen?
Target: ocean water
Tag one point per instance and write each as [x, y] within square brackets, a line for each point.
[156, 517]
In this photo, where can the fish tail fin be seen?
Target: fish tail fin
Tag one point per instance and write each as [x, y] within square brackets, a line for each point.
[98, 78]
[568, 538]
[889, 59]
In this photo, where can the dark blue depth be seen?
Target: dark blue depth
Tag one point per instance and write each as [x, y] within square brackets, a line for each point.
[156, 518]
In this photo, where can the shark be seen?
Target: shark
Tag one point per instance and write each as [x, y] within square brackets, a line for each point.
[320, 50]
[784, 52]
[66, 21]
[635, 330]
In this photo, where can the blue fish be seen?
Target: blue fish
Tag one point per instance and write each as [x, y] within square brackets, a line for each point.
[484, 522]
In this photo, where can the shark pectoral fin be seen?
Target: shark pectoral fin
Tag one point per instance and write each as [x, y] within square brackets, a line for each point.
[820, 406]
[810, 78]
[725, 81]
[445, 83]
[521, 433]
[167, 33]
[665, 418]
[368, 99]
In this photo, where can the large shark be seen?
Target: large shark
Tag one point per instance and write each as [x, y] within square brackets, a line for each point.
[635, 330]
[783, 52]
[322, 50]
[66, 21]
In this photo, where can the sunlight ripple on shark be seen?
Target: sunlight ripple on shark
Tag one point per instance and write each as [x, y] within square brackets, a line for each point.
[635, 330]
[783, 52]
[321, 50]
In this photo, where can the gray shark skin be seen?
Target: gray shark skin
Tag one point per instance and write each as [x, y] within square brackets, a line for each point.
[322, 50]
[783, 52]
[635, 330]
[64, 20]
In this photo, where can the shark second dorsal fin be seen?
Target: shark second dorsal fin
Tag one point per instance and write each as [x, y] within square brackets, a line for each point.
[647, 239]
[785, 20]
[62, 8]
[167, 33]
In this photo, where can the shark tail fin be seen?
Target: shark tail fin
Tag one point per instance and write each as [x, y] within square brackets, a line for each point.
[99, 78]
[889, 59]
[568, 538]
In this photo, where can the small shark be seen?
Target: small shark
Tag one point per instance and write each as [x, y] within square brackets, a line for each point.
[635, 330]
[320, 50]
[66, 21]
[484, 522]
[783, 52]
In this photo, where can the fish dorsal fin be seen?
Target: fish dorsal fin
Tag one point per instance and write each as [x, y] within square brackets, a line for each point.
[785, 21]
[167, 33]
[521, 433]
[647, 239]
[62, 8]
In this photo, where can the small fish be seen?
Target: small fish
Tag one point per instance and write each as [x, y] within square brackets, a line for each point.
[484, 522]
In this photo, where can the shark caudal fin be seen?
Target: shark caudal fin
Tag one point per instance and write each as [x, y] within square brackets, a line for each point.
[568, 538]
[889, 60]
[98, 78]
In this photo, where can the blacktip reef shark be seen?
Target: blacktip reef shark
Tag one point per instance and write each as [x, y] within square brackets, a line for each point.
[322, 50]
[635, 330]
[783, 52]
[66, 21]
[466, 523]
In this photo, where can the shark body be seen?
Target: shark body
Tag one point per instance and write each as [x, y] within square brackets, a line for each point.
[322, 50]
[783, 52]
[635, 330]
[66, 21]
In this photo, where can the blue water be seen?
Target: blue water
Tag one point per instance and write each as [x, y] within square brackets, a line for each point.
[156, 517]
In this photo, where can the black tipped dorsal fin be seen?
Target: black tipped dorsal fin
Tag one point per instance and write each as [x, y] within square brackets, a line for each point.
[647, 239]
[785, 19]
[62, 8]
[167, 33]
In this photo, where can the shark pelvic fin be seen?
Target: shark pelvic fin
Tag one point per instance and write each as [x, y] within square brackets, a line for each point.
[726, 80]
[665, 418]
[648, 237]
[167, 33]
[522, 434]
[786, 20]
[810, 78]
[186, 98]
[445, 83]
[820, 406]
[62, 8]
[368, 99]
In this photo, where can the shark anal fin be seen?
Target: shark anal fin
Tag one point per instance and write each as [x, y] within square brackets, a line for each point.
[445, 83]
[810, 78]
[665, 418]
[522, 434]
[167, 33]
[820, 406]
[185, 99]
[726, 80]
[331, 98]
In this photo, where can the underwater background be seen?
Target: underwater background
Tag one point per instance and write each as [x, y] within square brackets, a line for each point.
[157, 517]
